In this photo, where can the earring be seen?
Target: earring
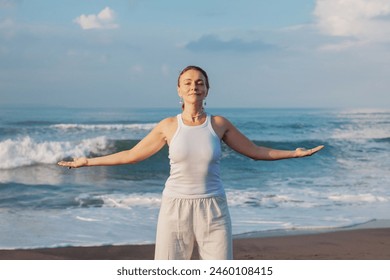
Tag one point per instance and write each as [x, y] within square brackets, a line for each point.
[204, 102]
[181, 100]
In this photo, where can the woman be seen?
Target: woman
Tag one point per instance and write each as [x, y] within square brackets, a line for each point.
[193, 207]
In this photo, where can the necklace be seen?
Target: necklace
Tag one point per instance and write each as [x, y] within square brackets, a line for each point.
[197, 116]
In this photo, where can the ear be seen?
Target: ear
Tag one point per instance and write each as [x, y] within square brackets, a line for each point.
[178, 91]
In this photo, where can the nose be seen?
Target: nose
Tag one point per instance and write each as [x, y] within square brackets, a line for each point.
[194, 86]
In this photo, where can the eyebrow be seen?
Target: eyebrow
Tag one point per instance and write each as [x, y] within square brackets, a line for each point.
[188, 79]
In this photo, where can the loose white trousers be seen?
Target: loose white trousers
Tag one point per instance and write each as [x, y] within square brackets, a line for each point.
[184, 221]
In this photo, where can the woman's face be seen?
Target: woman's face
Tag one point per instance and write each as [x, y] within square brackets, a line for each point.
[192, 86]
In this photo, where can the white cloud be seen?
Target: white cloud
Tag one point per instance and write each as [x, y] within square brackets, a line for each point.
[103, 20]
[366, 21]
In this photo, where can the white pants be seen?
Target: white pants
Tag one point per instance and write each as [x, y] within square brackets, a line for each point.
[183, 221]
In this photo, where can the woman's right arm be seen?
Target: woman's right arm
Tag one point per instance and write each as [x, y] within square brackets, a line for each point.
[147, 147]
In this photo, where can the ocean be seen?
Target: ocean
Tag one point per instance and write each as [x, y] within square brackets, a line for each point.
[44, 205]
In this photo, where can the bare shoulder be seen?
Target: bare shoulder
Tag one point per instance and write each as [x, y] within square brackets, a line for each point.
[168, 127]
[168, 121]
[221, 125]
[220, 121]
[166, 124]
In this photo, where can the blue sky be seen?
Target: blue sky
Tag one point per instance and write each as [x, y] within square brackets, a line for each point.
[258, 53]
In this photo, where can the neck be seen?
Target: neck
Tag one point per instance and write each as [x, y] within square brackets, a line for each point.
[193, 114]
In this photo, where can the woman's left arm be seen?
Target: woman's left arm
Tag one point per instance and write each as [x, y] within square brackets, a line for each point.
[241, 144]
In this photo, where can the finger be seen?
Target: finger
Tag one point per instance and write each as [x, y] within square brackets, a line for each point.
[65, 164]
[303, 152]
[316, 149]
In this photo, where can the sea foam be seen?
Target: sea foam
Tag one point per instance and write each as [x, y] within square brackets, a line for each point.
[74, 126]
[27, 151]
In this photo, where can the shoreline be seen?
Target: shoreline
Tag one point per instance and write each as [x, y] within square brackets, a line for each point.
[371, 224]
[368, 241]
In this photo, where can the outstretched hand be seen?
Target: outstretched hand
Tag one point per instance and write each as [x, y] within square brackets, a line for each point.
[302, 152]
[76, 163]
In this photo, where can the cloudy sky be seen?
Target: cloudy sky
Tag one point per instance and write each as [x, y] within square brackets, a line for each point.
[258, 53]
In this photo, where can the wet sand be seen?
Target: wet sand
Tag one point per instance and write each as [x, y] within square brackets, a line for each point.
[354, 244]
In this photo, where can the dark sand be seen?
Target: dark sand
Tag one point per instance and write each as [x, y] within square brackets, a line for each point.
[357, 244]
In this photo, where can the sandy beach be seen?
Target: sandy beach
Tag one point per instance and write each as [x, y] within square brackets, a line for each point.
[351, 244]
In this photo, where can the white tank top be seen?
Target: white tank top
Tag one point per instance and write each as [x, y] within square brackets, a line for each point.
[194, 153]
